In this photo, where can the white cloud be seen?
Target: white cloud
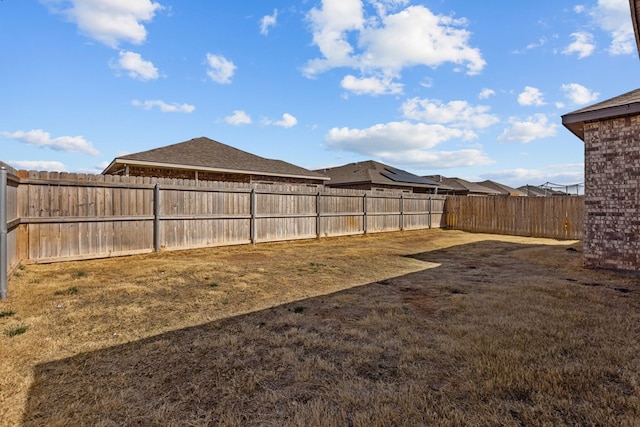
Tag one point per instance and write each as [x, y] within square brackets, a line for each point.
[39, 165]
[287, 121]
[109, 21]
[384, 6]
[267, 22]
[415, 36]
[238, 118]
[220, 70]
[388, 43]
[163, 106]
[578, 94]
[541, 42]
[486, 93]
[371, 85]
[40, 138]
[330, 26]
[530, 129]
[385, 139]
[408, 144]
[438, 159]
[613, 17]
[531, 96]
[454, 113]
[136, 67]
[582, 44]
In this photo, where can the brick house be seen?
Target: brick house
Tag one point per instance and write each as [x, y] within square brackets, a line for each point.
[207, 160]
[611, 134]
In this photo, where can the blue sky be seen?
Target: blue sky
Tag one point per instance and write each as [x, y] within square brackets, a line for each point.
[460, 88]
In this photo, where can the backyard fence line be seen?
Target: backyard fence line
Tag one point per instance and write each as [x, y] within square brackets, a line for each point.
[52, 216]
[68, 216]
[555, 217]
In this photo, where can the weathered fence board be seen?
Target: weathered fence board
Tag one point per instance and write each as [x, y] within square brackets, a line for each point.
[553, 217]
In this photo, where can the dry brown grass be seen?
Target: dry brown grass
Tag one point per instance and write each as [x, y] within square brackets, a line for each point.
[449, 328]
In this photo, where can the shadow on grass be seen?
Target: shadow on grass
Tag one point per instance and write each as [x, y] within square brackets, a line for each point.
[440, 346]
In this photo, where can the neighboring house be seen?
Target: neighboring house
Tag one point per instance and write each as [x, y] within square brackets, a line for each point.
[462, 187]
[503, 190]
[540, 191]
[611, 134]
[208, 160]
[371, 175]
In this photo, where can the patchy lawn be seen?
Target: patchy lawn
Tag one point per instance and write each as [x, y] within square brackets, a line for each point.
[425, 327]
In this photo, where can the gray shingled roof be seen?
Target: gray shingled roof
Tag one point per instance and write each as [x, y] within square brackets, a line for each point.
[372, 172]
[460, 185]
[622, 105]
[208, 155]
[535, 191]
[502, 188]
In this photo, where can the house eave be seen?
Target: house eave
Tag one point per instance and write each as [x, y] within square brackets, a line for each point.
[387, 183]
[125, 162]
[575, 121]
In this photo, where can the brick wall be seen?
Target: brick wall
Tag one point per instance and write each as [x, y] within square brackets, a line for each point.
[612, 194]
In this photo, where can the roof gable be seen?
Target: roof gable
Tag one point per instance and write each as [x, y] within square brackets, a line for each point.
[206, 154]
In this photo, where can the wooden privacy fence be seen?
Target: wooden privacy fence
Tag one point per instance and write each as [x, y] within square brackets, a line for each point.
[59, 216]
[48, 216]
[556, 217]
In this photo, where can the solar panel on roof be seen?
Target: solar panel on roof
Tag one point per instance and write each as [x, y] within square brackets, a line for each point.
[398, 175]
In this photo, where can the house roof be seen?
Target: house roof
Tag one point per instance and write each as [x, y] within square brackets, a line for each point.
[539, 191]
[205, 154]
[460, 185]
[372, 172]
[622, 105]
[503, 189]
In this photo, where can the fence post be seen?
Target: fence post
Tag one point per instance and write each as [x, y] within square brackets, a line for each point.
[364, 214]
[3, 233]
[156, 218]
[252, 224]
[318, 214]
[401, 211]
[430, 212]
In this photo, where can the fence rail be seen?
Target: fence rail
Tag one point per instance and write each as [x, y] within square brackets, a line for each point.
[556, 217]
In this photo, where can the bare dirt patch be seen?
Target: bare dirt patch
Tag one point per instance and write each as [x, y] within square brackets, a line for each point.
[415, 328]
